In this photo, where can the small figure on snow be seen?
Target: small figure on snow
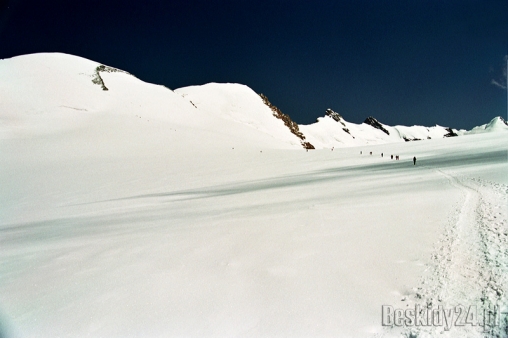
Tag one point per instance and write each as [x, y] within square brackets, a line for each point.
[414, 160]
[391, 156]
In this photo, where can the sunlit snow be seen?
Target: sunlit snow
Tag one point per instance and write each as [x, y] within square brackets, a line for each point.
[142, 211]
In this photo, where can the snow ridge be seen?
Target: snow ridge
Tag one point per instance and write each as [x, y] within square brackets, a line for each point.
[333, 131]
[495, 125]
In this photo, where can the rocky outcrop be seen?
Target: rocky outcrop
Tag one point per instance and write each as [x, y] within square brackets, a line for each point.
[97, 79]
[450, 133]
[307, 145]
[335, 116]
[376, 124]
[413, 139]
[293, 126]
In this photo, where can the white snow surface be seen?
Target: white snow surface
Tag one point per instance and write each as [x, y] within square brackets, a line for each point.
[141, 211]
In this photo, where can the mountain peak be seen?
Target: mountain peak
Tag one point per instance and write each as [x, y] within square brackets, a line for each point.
[332, 114]
[376, 124]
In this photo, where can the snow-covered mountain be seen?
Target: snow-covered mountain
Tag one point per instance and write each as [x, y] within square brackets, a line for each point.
[496, 124]
[69, 92]
[131, 210]
[333, 131]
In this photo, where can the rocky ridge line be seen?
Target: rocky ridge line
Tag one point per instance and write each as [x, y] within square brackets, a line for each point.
[293, 126]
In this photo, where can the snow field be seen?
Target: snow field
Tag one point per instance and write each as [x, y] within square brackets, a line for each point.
[247, 244]
[141, 211]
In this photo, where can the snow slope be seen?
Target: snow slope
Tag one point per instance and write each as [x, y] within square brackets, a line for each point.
[495, 125]
[151, 217]
[58, 88]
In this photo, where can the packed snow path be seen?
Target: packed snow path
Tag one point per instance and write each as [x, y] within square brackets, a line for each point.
[469, 266]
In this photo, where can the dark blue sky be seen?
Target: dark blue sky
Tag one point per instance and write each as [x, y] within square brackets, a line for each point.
[403, 62]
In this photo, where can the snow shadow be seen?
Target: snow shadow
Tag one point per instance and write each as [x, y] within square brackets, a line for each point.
[358, 180]
[453, 160]
[4, 330]
[327, 175]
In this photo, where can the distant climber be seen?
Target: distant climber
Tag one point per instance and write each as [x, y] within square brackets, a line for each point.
[391, 156]
[381, 155]
[414, 160]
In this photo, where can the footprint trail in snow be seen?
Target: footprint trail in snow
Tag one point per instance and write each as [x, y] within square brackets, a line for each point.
[468, 276]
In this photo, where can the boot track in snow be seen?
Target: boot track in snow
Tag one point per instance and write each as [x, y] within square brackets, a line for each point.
[468, 276]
